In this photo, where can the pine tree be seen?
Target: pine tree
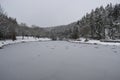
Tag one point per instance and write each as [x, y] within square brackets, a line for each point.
[75, 33]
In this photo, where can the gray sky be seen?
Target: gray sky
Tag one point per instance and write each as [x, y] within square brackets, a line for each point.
[46, 13]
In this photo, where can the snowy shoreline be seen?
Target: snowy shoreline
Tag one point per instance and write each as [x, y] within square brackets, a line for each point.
[31, 39]
[20, 40]
[95, 42]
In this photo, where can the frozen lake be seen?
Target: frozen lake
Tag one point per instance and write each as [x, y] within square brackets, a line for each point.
[59, 60]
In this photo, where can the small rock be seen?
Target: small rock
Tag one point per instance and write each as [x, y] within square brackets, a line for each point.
[115, 51]
[96, 47]
[0, 47]
[113, 48]
[52, 48]
[95, 44]
[38, 55]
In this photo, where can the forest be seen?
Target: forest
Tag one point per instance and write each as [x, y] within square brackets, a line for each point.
[100, 23]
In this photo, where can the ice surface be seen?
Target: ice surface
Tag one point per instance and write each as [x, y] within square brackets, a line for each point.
[59, 60]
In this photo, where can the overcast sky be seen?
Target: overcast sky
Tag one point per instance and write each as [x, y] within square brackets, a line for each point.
[45, 13]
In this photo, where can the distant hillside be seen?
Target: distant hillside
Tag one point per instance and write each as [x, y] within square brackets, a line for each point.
[61, 31]
[101, 23]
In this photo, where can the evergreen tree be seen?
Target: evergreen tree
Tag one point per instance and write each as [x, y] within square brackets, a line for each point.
[75, 33]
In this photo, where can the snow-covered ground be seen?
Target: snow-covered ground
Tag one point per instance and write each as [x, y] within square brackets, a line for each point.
[59, 60]
[29, 39]
[19, 39]
[82, 40]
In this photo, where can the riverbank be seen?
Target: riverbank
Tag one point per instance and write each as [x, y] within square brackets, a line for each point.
[20, 40]
[80, 41]
[91, 41]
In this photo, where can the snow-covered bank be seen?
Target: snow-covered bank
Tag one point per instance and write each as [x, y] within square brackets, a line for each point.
[82, 40]
[19, 39]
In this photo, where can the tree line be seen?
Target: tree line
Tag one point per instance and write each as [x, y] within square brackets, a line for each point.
[101, 23]
[9, 28]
